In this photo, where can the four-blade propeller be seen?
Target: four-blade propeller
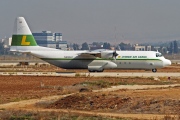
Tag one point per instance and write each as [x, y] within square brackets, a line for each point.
[114, 55]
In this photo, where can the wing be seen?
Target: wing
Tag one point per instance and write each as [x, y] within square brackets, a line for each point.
[100, 53]
[94, 53]
[90, 54]
[20, 51]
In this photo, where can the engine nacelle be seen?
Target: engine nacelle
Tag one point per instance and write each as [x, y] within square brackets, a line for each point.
[107, 54]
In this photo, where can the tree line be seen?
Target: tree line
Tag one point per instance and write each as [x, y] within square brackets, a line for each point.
[170, 48]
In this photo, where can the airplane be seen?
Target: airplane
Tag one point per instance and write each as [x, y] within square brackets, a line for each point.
[95, 61]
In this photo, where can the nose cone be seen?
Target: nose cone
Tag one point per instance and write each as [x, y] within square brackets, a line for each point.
[166, 62]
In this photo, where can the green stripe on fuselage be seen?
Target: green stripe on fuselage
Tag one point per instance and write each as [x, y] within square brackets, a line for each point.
[23, 40]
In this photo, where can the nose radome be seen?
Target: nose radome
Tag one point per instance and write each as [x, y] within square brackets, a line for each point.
[167, 62]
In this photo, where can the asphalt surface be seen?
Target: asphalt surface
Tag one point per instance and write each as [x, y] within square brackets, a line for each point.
[102, 74]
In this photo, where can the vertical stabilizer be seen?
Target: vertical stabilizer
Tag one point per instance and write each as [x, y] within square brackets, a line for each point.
[22, 36]
[21, 27]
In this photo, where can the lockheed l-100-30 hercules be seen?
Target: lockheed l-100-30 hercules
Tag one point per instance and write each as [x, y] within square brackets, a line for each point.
[97, 60]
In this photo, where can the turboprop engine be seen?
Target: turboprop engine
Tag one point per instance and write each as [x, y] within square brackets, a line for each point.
[109, 54]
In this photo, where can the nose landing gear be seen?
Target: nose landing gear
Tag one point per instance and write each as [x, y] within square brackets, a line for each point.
[154, 70]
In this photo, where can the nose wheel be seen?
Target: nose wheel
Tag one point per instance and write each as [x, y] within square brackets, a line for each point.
[154, 70]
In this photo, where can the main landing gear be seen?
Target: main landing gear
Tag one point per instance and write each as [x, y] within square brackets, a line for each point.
[96, 70]
[154, 70]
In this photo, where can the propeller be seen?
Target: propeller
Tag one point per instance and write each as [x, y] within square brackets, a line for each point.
[114, 55]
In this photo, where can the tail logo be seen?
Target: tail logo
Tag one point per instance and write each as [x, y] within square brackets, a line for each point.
[24, 42]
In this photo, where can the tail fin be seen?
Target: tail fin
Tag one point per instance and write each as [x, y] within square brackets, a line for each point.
[22, 36]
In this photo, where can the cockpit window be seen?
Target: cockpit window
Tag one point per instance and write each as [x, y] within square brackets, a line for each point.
[158, 55]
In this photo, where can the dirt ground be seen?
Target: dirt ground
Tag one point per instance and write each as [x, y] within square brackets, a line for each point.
[156, 101]
[137, 102]
[15, 88]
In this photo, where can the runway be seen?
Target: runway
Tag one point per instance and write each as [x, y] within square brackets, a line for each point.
[136, 74]
[33, 62]
[103, 74]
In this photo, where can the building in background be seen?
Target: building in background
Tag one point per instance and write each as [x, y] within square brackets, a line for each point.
[148, 48]
[139, 48]
[62, 45]
[142, 48]
[49, 39]
[7, 42]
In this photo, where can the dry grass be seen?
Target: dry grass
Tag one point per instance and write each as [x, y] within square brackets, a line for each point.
[29, 115]
[26, 115]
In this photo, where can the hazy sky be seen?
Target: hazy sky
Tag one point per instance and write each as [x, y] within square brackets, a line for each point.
[80, 21]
